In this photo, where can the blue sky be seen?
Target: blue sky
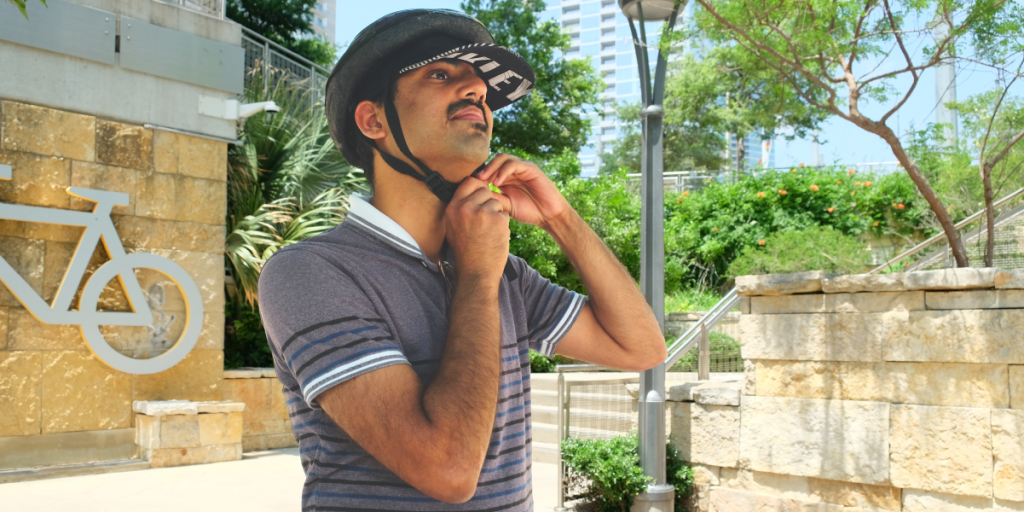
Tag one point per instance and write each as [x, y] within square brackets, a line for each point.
[843, 142]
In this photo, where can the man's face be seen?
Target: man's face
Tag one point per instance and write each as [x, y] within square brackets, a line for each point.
[446, 122]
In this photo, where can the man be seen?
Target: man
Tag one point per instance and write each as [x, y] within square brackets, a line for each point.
[402, 335]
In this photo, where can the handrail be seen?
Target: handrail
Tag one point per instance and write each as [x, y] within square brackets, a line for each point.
[302, 60]
[923, 245]
[685, 342]
[969, 237]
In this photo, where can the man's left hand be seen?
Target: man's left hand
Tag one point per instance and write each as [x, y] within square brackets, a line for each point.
[534, 198]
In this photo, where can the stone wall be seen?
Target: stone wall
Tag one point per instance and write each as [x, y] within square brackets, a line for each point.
[265, 421]
[54, 393]
[900, 392]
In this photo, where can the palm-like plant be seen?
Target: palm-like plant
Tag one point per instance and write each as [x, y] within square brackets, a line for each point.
[286, 182]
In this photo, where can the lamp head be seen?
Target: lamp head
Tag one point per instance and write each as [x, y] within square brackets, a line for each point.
[654, 10]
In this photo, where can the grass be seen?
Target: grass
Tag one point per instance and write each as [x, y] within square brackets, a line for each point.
[691, 300]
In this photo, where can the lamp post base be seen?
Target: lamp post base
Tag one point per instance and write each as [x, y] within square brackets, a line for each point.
[658, 498]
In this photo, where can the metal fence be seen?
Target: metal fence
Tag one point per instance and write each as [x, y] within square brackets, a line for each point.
[270, 63]
[214, 8]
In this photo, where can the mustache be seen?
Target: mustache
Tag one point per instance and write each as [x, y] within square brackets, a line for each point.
[454, 108]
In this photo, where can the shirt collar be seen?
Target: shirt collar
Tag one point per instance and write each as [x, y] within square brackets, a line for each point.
[369, 217]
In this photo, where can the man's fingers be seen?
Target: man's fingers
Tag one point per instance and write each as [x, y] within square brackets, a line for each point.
[468, 187]
[486, 174]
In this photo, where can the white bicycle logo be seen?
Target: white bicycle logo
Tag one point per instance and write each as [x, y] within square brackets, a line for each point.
[98, 225]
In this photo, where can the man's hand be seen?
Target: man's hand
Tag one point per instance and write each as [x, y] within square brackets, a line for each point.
[533, 198]
[476, 224]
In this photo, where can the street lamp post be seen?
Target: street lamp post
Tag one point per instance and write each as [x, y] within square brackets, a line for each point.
[660, 496]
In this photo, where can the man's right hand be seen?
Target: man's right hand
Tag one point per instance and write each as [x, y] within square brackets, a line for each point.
[476, 224]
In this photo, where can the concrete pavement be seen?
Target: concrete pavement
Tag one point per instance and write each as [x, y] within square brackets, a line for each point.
[268, 481]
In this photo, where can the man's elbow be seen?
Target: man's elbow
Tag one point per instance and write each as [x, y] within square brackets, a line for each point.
[455, 487]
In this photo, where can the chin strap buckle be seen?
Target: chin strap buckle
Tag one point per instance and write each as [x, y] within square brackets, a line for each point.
[441, 187]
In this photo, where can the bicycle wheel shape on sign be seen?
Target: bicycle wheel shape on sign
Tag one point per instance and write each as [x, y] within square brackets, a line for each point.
[124, 268]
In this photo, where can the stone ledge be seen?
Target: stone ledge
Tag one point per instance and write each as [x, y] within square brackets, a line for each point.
[728, 394]
[781, 284]
[220, 406]
[975, 299]
[952, 279]
[686, 392]
[879, 302]
[855, 283]
[1010, 279]
[165, 407]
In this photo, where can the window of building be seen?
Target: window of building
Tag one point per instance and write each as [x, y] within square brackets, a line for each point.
[571, 10]
[606, 18]
[571, 26]
[607, 47]
[608, 59]
[607, 33]
[624, 89]
[607, 3]
[624, 59]
[589, 50]
[589, 22]
[609, 87]
[609, 130]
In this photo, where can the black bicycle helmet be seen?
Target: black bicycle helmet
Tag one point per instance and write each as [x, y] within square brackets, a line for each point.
[401, 42]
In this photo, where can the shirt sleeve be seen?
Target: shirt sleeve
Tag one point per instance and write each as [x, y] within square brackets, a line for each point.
[321, 326]
[551, 310]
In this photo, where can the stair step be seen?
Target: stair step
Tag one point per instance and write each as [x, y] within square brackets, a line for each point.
[545, 452]
[614, 421]
[580, 400]
[549, 381]
[545, 433]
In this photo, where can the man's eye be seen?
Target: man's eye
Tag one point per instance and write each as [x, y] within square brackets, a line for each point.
[439, 74]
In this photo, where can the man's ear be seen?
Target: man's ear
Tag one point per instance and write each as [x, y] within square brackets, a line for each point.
[368, 121]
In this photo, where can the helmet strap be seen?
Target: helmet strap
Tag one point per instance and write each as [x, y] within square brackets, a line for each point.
[442, 188]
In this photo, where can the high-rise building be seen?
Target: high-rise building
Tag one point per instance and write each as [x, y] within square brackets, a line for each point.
[323, 19]
[758, 153]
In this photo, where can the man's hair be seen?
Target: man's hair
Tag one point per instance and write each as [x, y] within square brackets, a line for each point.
[363, 145]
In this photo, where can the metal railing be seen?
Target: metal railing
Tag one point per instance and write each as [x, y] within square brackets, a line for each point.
[941, 237]
[213, 8]
[269, 61]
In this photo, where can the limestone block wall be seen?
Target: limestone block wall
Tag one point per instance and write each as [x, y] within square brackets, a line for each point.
[58, 403]
[265, 421]
[901, 392]
[180, 433]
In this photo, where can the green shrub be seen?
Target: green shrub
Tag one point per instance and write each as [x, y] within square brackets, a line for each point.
[691, 299]
[612, 467]
[539, 363]
[245, 340]
[813, 248]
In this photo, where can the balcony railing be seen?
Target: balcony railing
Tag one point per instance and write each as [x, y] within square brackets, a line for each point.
[213, 8]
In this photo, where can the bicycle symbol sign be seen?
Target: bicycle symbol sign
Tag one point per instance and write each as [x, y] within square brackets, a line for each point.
[98, 225]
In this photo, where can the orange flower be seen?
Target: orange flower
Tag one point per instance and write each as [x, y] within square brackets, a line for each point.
[783, 192]
[839, 182]
[802, 164]
[681, 199]
[760, 242]
[814, 187]
[853, 192]
[876, 222]
[760, 194]
[832, 209]
[851, 172]
[894, 205]
[900, 206]
[686, 193]
[857, 184]
[715, 230]
[793, 169]
[867, 183]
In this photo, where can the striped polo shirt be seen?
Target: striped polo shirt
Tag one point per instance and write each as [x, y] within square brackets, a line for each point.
[364, 296]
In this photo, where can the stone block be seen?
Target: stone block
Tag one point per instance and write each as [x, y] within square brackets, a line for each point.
[268, 373]
[1017, 387]
[965, 336]
[36, 180]
[20, 376]
[976, 299]
[856, 497]
[781, 284]
[219, 406]
[855, 283]
[254, 443]
[1010, 279]
[818, 336]
[220, 428]
[831, 439]
[706, 475]
[147, 432]
[4, 319]
[46, 131]
[206, 269]
[256, 395]
[145, 233]
[949, 384]
[785, 486]
[124, 145]
[706, 434]
[278, 407]
[723, 394]
[923, 501]
[103, 177]
[731, 500]
[744, 305]
[685, 392]
[838, 303]
[951, 279]
[198, 377]
[81, 393]
[176, 153]
[1008, 452]
[182, 198]
[165, 407]
[749, 377]
[169, 457]
[243, 373]
[179, 431]
[276, 441]
[28, 257]
[942, 449]
[27, 333]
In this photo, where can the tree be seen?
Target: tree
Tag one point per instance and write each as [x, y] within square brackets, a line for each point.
[20, 4]
[284, 21]
[831, 54]
[553, 117]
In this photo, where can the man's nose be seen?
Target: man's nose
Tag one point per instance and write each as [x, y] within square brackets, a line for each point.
[473, 86]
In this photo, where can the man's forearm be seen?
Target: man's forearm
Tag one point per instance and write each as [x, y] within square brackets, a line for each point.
[461, 400]
[614, 297]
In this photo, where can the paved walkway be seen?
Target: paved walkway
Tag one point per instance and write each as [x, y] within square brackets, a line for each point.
[261, 482]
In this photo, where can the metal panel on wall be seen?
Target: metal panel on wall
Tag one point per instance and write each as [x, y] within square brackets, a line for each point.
[181, 56]
[62, 28]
